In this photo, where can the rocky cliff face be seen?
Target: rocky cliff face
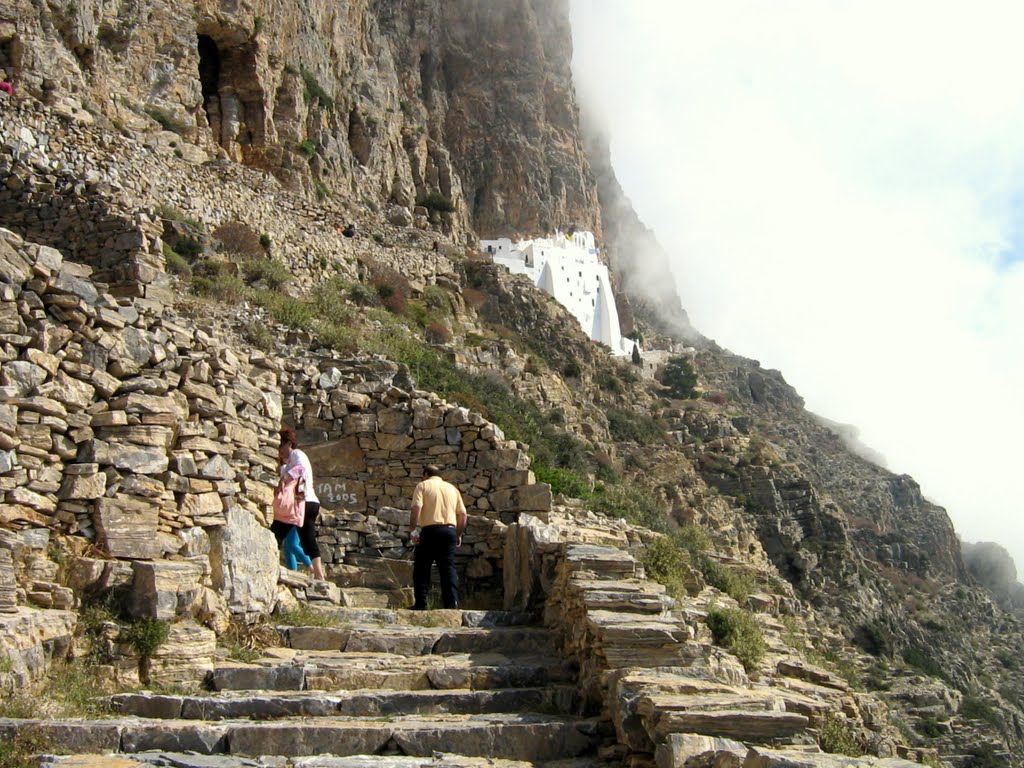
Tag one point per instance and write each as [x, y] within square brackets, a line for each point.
[462, 113]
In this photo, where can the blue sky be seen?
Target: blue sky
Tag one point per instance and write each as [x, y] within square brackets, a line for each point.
[841, 187]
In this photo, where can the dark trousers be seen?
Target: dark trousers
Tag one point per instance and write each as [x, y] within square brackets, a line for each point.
[307, 533]
[437, 545]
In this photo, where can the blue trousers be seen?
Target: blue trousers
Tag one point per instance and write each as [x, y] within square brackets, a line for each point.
[437, 545]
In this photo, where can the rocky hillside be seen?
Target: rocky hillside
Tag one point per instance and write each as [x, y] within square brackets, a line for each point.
[174, 285]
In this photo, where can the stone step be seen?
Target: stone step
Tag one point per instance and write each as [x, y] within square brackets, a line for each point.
[373, 615]
[265, 705]
[760, 727]
[185, 760]
[531, 737]
[331, 671]
[420, 641]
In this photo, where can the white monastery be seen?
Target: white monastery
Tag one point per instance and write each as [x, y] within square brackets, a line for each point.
[567, 267]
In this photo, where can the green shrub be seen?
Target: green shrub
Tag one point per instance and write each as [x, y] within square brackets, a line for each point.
[739, 586]
[314, 91]
[924, 662]
[572, 370]
[146, 635]
[740, 633]
[565, 481]
[220, 287]
[680, 377]
[837, 736]
[259, 336]
[22, 750]
[306, 147]
[632, 502]
[176, 263]
[609, 382]
[265, 241]
[363, 295]
[322, 190]
[667, 563]
[342, 338]
[436, 201]
[270, 272]
[929, 727]
[239, 238]
[304, 616]
[630, 426]
[974, 708]
[874, 637]
[437, 298]
[295, 313]
[1008, 659]
[693, 538]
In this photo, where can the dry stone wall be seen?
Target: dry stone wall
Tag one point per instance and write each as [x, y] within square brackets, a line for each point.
[129, 426]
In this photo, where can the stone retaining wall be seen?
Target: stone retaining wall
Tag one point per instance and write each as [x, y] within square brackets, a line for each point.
[132, 427]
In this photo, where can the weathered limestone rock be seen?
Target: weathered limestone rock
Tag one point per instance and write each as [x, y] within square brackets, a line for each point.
[33, 638]
[83, 486]
[8, 584]
[165, 590]
[204, 509]
[127, 527]
[244, 561]
[24, 376]
[526, 498]
[70, 391]
[130, 457]
[678, 748]
[185, 657]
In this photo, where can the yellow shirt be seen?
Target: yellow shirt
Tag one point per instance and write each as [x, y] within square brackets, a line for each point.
[439, 501]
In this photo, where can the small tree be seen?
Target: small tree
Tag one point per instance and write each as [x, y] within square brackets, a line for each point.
[636, 355]
[680, 377]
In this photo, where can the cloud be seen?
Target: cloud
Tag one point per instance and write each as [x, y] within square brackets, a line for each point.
[841, 187]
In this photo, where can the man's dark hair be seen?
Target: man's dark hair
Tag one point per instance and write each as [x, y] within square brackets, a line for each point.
[431, 470]
[288, 436]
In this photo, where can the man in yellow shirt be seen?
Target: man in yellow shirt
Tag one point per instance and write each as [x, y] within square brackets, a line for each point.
[437, 520]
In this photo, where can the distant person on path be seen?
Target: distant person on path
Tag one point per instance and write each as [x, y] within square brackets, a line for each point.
[5, 85]
[296, 464]
[437, 520]
[349, 230]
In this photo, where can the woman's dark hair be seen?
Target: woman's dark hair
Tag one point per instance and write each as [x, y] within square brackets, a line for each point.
[288, 436]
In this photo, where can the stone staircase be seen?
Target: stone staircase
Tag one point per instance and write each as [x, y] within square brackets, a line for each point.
[474, 684]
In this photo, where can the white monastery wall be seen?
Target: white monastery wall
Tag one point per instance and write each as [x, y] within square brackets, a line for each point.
[568, 267]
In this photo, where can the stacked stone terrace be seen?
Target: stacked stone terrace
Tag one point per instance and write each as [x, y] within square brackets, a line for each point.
[132, 430]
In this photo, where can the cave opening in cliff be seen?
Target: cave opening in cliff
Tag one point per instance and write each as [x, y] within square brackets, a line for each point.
[7, 50]
[427, 71]
[209, 73]
[233, 97]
